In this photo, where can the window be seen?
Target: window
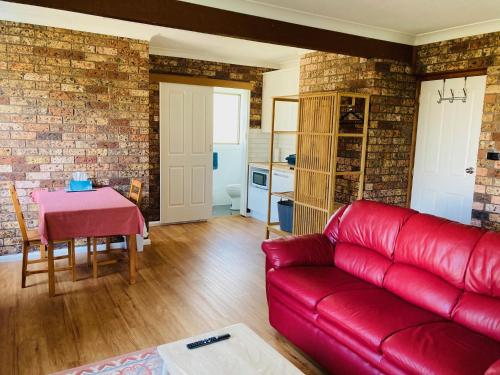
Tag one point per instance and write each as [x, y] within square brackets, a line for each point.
[227, 118]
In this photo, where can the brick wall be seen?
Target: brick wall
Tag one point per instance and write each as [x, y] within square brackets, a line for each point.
[392, 88]
[69, 101]
[196, 68]
[480, 51]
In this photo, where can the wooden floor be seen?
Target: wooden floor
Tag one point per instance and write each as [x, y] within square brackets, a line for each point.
[194, 278]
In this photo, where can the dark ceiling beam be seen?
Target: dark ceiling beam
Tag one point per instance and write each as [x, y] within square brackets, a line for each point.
[193, 17]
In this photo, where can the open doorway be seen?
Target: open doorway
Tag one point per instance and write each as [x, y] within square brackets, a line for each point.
[231, 119]
[203, 151]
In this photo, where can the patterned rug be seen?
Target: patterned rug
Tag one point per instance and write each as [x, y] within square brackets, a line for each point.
[143, 362]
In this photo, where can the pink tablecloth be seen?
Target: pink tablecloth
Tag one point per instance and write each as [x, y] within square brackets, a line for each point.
[99, 213]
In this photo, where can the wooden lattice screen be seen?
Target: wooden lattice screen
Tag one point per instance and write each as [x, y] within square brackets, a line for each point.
[331, 150]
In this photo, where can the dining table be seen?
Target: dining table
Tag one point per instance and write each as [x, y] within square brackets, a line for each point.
[101, 212]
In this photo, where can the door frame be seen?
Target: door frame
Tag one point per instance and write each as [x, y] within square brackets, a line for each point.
[430, 77]
[214, 83]
[244, 127]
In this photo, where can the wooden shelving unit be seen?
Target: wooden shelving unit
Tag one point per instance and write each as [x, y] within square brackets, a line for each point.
[274, 227]
[327, 145]
[332, 130]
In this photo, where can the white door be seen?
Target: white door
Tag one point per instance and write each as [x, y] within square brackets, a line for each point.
[186, 166]
[446, 149]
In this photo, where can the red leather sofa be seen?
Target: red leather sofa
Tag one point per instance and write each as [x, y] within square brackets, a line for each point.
[389, 290]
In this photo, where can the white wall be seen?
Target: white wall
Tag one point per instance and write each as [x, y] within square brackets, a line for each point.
[229, 171]
[277, 83]
[258, 145]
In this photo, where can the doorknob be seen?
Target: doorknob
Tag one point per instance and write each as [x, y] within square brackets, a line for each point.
[469, 170]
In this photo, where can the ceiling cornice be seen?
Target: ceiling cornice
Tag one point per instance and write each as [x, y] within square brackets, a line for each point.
[261, 9]
[196, 55]
[193, 17]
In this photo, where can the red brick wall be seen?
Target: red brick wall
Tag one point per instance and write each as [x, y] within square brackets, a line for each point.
[195, 68]
[69, 101]
[480, 51]
[392, 88]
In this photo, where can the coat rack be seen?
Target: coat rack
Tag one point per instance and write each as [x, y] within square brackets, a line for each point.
[452, 98]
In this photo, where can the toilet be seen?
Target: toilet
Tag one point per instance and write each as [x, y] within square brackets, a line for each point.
[234, 192]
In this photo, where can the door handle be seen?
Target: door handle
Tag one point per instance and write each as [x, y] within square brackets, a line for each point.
[469, 170]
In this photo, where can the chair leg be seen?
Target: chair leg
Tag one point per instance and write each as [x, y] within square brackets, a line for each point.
[73, 259]
[25, 265]
[43, 253]
[88, 251]
[94, 260]
[70, 258]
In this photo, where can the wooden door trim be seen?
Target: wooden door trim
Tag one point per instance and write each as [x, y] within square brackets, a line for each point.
[199, 81]
[452, 74]
[431, 77]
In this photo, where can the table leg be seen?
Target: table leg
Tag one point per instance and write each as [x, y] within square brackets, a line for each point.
[132, 258]
[73, 260]
[52, 281]
[94, 259]
[88, 251]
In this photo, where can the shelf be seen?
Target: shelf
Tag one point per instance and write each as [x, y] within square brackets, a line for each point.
[285, 132]
[312, 207]
[283, 166]
[344, 173]
[275, 228]
[313, 171]
[284, 195]
[350, 135]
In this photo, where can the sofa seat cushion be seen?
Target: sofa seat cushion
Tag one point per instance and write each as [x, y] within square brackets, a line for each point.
[309, 285]
[371, 315]
[441, 348]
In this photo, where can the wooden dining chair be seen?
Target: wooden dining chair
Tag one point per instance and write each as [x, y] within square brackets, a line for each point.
[31, 238]
[135, 196]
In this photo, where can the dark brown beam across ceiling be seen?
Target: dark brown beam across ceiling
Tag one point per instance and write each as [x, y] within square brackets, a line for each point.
[193, 17]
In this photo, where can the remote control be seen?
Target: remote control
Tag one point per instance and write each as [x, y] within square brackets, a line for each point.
[208, 341]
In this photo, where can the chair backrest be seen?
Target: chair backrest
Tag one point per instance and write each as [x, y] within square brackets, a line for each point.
[135, 191]
[19, 212]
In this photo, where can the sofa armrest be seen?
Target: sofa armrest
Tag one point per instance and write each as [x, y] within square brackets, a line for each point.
[494, 369]
[308, 250]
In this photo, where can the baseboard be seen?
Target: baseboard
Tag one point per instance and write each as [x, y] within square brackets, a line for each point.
[154, 223]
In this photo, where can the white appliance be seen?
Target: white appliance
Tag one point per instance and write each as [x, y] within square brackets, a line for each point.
[258, 192]
[259, 178]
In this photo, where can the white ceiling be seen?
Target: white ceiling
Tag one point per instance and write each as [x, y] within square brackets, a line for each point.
[405, 21]
[163, 41]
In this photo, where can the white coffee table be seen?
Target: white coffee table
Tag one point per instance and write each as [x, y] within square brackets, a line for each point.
[243, 353]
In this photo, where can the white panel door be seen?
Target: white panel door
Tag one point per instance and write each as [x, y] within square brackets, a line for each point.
[446, 149]
[186, 132]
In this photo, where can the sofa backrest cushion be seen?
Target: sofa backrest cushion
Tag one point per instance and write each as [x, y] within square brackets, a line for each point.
[365, 236]
[430, 260]
[422, 288]
[332, 227]
[361, 262]
[438, 246]
[479, 307]
[483, 272]
[373, 225]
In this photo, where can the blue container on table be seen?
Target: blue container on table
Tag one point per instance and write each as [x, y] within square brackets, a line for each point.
[80, 185]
